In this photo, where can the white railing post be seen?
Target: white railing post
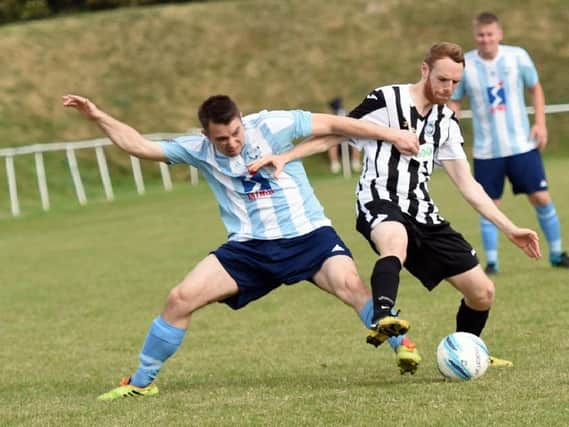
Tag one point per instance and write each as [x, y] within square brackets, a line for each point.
[42, 182]
[137, 173]
[194, 176]
[345, 155]
[104, 172]
[72, 161]
[166, 179]
[12, 188]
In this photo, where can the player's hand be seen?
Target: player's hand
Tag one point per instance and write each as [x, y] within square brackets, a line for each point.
[275, 160]
[539, 134]
[406, 142]
[527, 240]
[83, 105]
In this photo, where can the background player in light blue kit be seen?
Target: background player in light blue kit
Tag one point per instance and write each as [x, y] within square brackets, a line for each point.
[277, 230]
[504, 144]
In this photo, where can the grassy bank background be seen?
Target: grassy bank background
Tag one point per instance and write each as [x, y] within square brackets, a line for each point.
[152, 66]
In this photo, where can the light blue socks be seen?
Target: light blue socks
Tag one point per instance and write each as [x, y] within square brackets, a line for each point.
[489, 241]
[549, 223]
[161, 342]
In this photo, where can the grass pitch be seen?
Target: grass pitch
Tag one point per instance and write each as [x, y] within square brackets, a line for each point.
[79, 288]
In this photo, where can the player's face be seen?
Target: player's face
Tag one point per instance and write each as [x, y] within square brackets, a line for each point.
[488, 37]
[228, 139]
[441, 80]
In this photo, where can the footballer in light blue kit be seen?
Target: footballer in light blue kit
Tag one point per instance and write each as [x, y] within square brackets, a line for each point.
[277, 230]
[257, 206]
[505, 145]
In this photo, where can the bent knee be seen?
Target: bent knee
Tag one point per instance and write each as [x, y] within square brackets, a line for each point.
[483, 297]
[175, 297]
[180, 301]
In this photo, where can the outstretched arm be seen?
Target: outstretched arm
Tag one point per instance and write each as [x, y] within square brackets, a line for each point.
[327, 131]
[459, 171]
[122, 135]
[327, 124]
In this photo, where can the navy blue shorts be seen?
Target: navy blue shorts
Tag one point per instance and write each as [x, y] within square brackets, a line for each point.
[260, 266]
[524, 171]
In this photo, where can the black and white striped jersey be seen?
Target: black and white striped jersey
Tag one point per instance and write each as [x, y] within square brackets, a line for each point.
[390, 175]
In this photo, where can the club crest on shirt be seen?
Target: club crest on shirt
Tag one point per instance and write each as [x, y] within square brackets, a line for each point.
[429, 129]
[257, 187]
[253, 152]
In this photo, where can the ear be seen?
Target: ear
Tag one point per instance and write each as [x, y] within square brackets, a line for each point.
[424, 70]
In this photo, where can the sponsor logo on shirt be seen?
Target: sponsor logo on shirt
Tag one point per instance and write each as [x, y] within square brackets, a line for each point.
[497, 97]
[425, 152]
[257, 187]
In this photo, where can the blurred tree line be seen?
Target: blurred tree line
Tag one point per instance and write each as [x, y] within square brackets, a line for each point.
[16, 10]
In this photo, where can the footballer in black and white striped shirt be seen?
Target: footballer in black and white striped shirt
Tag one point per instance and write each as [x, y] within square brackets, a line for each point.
[395, 212]
[403, 180]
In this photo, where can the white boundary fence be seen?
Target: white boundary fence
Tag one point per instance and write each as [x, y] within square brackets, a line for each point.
[70, 147]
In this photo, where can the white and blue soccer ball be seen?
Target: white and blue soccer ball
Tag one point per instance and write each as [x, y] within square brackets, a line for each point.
[462, 356]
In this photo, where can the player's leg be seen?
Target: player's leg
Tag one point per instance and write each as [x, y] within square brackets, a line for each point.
[478, 296]
[490, 173]
[356, 159]
[339, 277]
[206, 283]
[489, 233]
[527, 173]
[390, 239]
[381, 223]
[333, 157]
[549, 223]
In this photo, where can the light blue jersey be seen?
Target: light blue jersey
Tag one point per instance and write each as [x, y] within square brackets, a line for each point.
[259, 206]
[496, 92]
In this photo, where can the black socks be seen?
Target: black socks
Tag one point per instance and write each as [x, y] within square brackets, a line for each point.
[470, 320]
[384, 285]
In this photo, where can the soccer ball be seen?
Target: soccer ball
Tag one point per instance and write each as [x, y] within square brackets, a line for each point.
[462, 356]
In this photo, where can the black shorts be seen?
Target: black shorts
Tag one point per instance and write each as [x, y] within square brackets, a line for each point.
[434, 252]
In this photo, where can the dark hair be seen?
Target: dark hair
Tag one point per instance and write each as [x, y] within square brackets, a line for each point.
[217, 109]
[444, 50]
[486, 18]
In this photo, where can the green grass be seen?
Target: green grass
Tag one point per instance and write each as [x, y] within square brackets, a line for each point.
[79, 287]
